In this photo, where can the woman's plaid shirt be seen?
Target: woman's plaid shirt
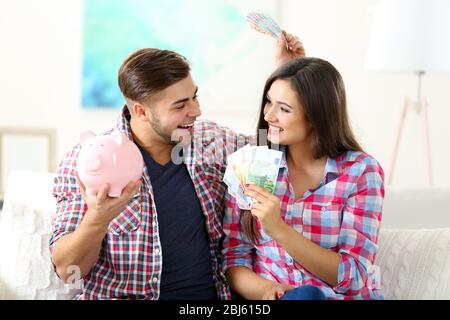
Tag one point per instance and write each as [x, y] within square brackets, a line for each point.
[343, 214]
[130, 261]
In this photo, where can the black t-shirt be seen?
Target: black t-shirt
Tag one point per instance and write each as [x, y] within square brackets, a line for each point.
[186, 259]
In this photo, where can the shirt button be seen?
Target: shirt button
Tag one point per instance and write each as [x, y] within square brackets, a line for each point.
[154, 280]
[290, 260]
[323, 209]
[156, 251]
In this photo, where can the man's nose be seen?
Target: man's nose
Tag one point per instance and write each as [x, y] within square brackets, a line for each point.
[194, 109]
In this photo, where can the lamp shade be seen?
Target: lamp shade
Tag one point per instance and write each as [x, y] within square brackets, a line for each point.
[410, 35]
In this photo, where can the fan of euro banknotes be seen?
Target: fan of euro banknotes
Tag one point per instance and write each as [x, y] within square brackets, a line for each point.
[251, 165]
[263, 23]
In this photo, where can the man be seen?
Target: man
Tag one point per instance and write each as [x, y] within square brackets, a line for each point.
[161, 238]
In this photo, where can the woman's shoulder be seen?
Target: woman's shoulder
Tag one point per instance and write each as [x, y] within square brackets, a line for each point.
[351, 160]
[357, 157]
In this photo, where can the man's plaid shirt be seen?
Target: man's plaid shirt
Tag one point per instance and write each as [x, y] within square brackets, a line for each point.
[130, 260]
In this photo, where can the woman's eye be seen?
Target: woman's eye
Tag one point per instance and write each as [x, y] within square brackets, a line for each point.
[285, 110]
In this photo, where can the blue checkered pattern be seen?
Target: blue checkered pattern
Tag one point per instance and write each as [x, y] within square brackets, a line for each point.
[343, 215]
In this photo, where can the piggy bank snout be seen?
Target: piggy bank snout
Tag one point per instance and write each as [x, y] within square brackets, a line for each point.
[93, 163]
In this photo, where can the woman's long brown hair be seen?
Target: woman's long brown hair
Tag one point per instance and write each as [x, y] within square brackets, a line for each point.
[321, 93]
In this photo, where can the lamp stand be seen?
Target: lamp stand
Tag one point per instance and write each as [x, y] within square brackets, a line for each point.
[421, 107]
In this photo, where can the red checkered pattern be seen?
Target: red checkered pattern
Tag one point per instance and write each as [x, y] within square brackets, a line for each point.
[130, 262]
[343, 215]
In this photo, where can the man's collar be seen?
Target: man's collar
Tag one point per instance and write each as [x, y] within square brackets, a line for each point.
[123, 122]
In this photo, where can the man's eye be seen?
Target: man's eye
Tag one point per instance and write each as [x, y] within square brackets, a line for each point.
[195, 97]
[180, 107]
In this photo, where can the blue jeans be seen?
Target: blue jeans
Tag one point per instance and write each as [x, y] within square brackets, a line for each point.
[306, 292]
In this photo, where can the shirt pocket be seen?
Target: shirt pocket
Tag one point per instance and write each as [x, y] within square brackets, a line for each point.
[322, 223]
[129, 219]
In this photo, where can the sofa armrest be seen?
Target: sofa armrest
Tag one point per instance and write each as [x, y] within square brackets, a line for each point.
[414, 264]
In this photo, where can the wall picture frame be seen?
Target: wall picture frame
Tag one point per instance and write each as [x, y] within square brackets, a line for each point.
[29, 149]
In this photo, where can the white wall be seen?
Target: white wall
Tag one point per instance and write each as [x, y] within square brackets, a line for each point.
[339, 32]
[40, 63]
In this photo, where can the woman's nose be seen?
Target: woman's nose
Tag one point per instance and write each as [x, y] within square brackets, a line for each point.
[269, 116]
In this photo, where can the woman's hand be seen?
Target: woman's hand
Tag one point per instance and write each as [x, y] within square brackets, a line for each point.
[276, 290]
[266, 209]
[288, 48]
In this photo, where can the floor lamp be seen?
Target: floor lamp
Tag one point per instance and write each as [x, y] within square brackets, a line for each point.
[411, 36]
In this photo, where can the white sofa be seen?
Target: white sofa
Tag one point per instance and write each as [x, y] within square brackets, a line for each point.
[25, 225]
[414, 254]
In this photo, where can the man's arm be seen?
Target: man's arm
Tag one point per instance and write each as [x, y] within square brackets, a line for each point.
[81, 248]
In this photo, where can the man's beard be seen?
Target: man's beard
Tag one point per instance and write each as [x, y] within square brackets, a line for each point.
[155, 123]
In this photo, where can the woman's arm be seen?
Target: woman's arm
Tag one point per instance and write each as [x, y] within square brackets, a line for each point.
[360, 226]
[321, 262]
[288, 48]
[250, 286]
[238, 260]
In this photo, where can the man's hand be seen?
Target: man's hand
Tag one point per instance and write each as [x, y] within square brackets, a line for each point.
[288, 48]
[102, 209]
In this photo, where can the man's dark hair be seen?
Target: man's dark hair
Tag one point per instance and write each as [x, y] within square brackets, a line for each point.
[148, 71]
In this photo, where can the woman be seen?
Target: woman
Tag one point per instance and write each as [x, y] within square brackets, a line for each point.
[318, 232]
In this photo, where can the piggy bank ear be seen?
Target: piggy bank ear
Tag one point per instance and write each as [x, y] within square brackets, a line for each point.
[118, 136]
[86, 135]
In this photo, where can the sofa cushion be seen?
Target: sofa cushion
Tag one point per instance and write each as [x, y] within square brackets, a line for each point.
[26, 271]
[414, 264]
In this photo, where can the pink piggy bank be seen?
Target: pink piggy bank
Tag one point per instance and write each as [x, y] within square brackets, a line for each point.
[111, 159]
